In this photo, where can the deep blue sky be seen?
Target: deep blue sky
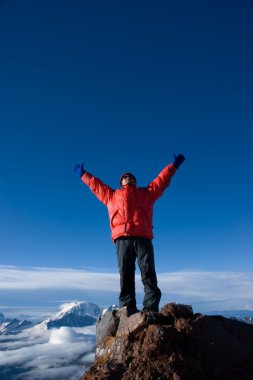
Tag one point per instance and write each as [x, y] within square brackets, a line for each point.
[122, 86]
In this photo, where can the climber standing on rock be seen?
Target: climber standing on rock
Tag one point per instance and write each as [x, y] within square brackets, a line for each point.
[130, 211]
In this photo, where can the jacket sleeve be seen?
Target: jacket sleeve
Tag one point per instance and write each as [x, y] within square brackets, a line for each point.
[159, 184]
[102, 191]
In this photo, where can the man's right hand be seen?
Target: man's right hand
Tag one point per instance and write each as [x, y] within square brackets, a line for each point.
[79, 170]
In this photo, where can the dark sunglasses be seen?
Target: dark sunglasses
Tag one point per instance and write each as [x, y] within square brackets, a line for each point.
[127, 176]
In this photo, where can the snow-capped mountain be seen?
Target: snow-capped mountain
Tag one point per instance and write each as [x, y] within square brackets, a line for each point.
[110, 308]
[12, 326]
[83, 313]
[75, 314]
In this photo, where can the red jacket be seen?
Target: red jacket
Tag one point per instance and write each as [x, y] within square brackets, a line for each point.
[131, 208]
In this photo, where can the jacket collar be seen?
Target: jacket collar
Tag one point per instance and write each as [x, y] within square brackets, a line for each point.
[129, 187]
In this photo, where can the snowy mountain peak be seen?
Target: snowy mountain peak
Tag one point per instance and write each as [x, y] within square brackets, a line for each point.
[79, 308]
[110, 308]
[75, 314]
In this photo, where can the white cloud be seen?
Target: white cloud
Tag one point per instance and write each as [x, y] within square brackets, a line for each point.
[48, 354]
[55, 278]
[64, 335]
[192, 285]
[208, 285]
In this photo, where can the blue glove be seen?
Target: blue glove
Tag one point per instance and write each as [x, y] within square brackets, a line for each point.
[178, 160]
[79, 170]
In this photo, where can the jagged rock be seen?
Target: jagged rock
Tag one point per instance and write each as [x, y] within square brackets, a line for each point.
[174, 311]
[106, 326]
[175, 344]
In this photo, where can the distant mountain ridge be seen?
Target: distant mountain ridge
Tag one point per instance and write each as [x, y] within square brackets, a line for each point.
[83, 313]
[12, 326]
[240, 315]
[74, 314]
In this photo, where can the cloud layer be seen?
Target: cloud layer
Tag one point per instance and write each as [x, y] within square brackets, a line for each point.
[67, 352]
[55, 278]
[38, 353]
[222, 289]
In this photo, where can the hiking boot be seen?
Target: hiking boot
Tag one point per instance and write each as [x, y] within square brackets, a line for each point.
[149, 310]
[132, 310]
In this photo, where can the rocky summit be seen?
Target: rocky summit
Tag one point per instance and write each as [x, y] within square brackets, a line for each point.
[174, 344]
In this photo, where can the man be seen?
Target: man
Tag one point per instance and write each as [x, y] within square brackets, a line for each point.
[130, 211]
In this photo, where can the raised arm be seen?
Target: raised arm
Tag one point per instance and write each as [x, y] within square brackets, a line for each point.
[102, 191]
[159, 184]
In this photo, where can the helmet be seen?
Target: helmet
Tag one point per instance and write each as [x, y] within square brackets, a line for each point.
[125, 174]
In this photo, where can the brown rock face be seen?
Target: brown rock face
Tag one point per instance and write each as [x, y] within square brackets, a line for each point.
[174, 344]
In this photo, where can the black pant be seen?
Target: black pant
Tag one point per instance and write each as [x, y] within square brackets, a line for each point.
[128, 249]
